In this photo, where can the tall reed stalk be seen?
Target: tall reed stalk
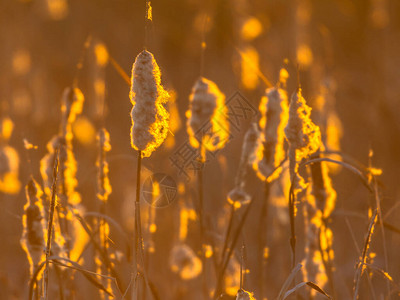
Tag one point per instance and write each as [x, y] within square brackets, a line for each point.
[50, 224]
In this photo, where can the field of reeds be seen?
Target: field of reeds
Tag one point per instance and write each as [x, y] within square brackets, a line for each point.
[200, 149]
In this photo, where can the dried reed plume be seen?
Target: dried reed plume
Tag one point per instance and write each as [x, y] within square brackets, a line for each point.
[251, 143]
[98, 74]
[244, 295]
[150, 125]
[303, 135]
[9, 160]
[103, 182]
[71, 106]
[103, 191]
[321, 198]
[6, 129]
[314, 270]
[69, 198]
[207, 126]
[320, 202]
[274, 117]
[33, 235]
[148, 97]
[326, 116]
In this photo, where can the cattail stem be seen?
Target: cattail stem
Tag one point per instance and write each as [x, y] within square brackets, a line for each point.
[201, 215]
[148, 20]
[203, 46]
[50, 224]
[219, 285]
[137, 210]
[263, 229]
[241, 267]
[228, 232]
[138, 226]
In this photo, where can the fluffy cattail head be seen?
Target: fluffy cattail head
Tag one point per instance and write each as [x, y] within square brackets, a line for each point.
[206, 117]
[9, 165]
[252, 142]
[72, 104]
[6, 128]
[185, 262]
[103, 182]
[274, 117]
[5, 163]
[302, 134]
[250, 153]
[46, 164]
[33, 236]
[244, 295]
[148, 97]
[9, 160]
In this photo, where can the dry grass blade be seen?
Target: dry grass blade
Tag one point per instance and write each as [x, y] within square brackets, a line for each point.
[310, 284]
[120, 71]
[382, 226]
[348, 166]
[231, 248]
[292, 197]
[56, 260]
[99, 248]
[391, 227]
[292, 218]
[363, 257]
[288, 281]
[384, 274]
[115, 224]
[227, 234]
[88, 274]
[255, 68]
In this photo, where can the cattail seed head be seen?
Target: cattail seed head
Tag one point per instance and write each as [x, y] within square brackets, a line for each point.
[33, 235]
[6, 128]
[9, 169]
[238, 196]
[71, 106]
[274, 117]
[252, 141]
[303, 135]
[103, 182]
[185, 262]
[148, 97]
[9, 160]
[207, 112]
[244, 295]
[46, 164]
[250, 152]
[300, 131]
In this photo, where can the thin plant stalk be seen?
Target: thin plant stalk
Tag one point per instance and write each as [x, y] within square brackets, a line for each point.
[228, 232]
[224, 264]
[363, 257]
[138, 228]
[200, 187]
[50, 224]
[263, 229]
